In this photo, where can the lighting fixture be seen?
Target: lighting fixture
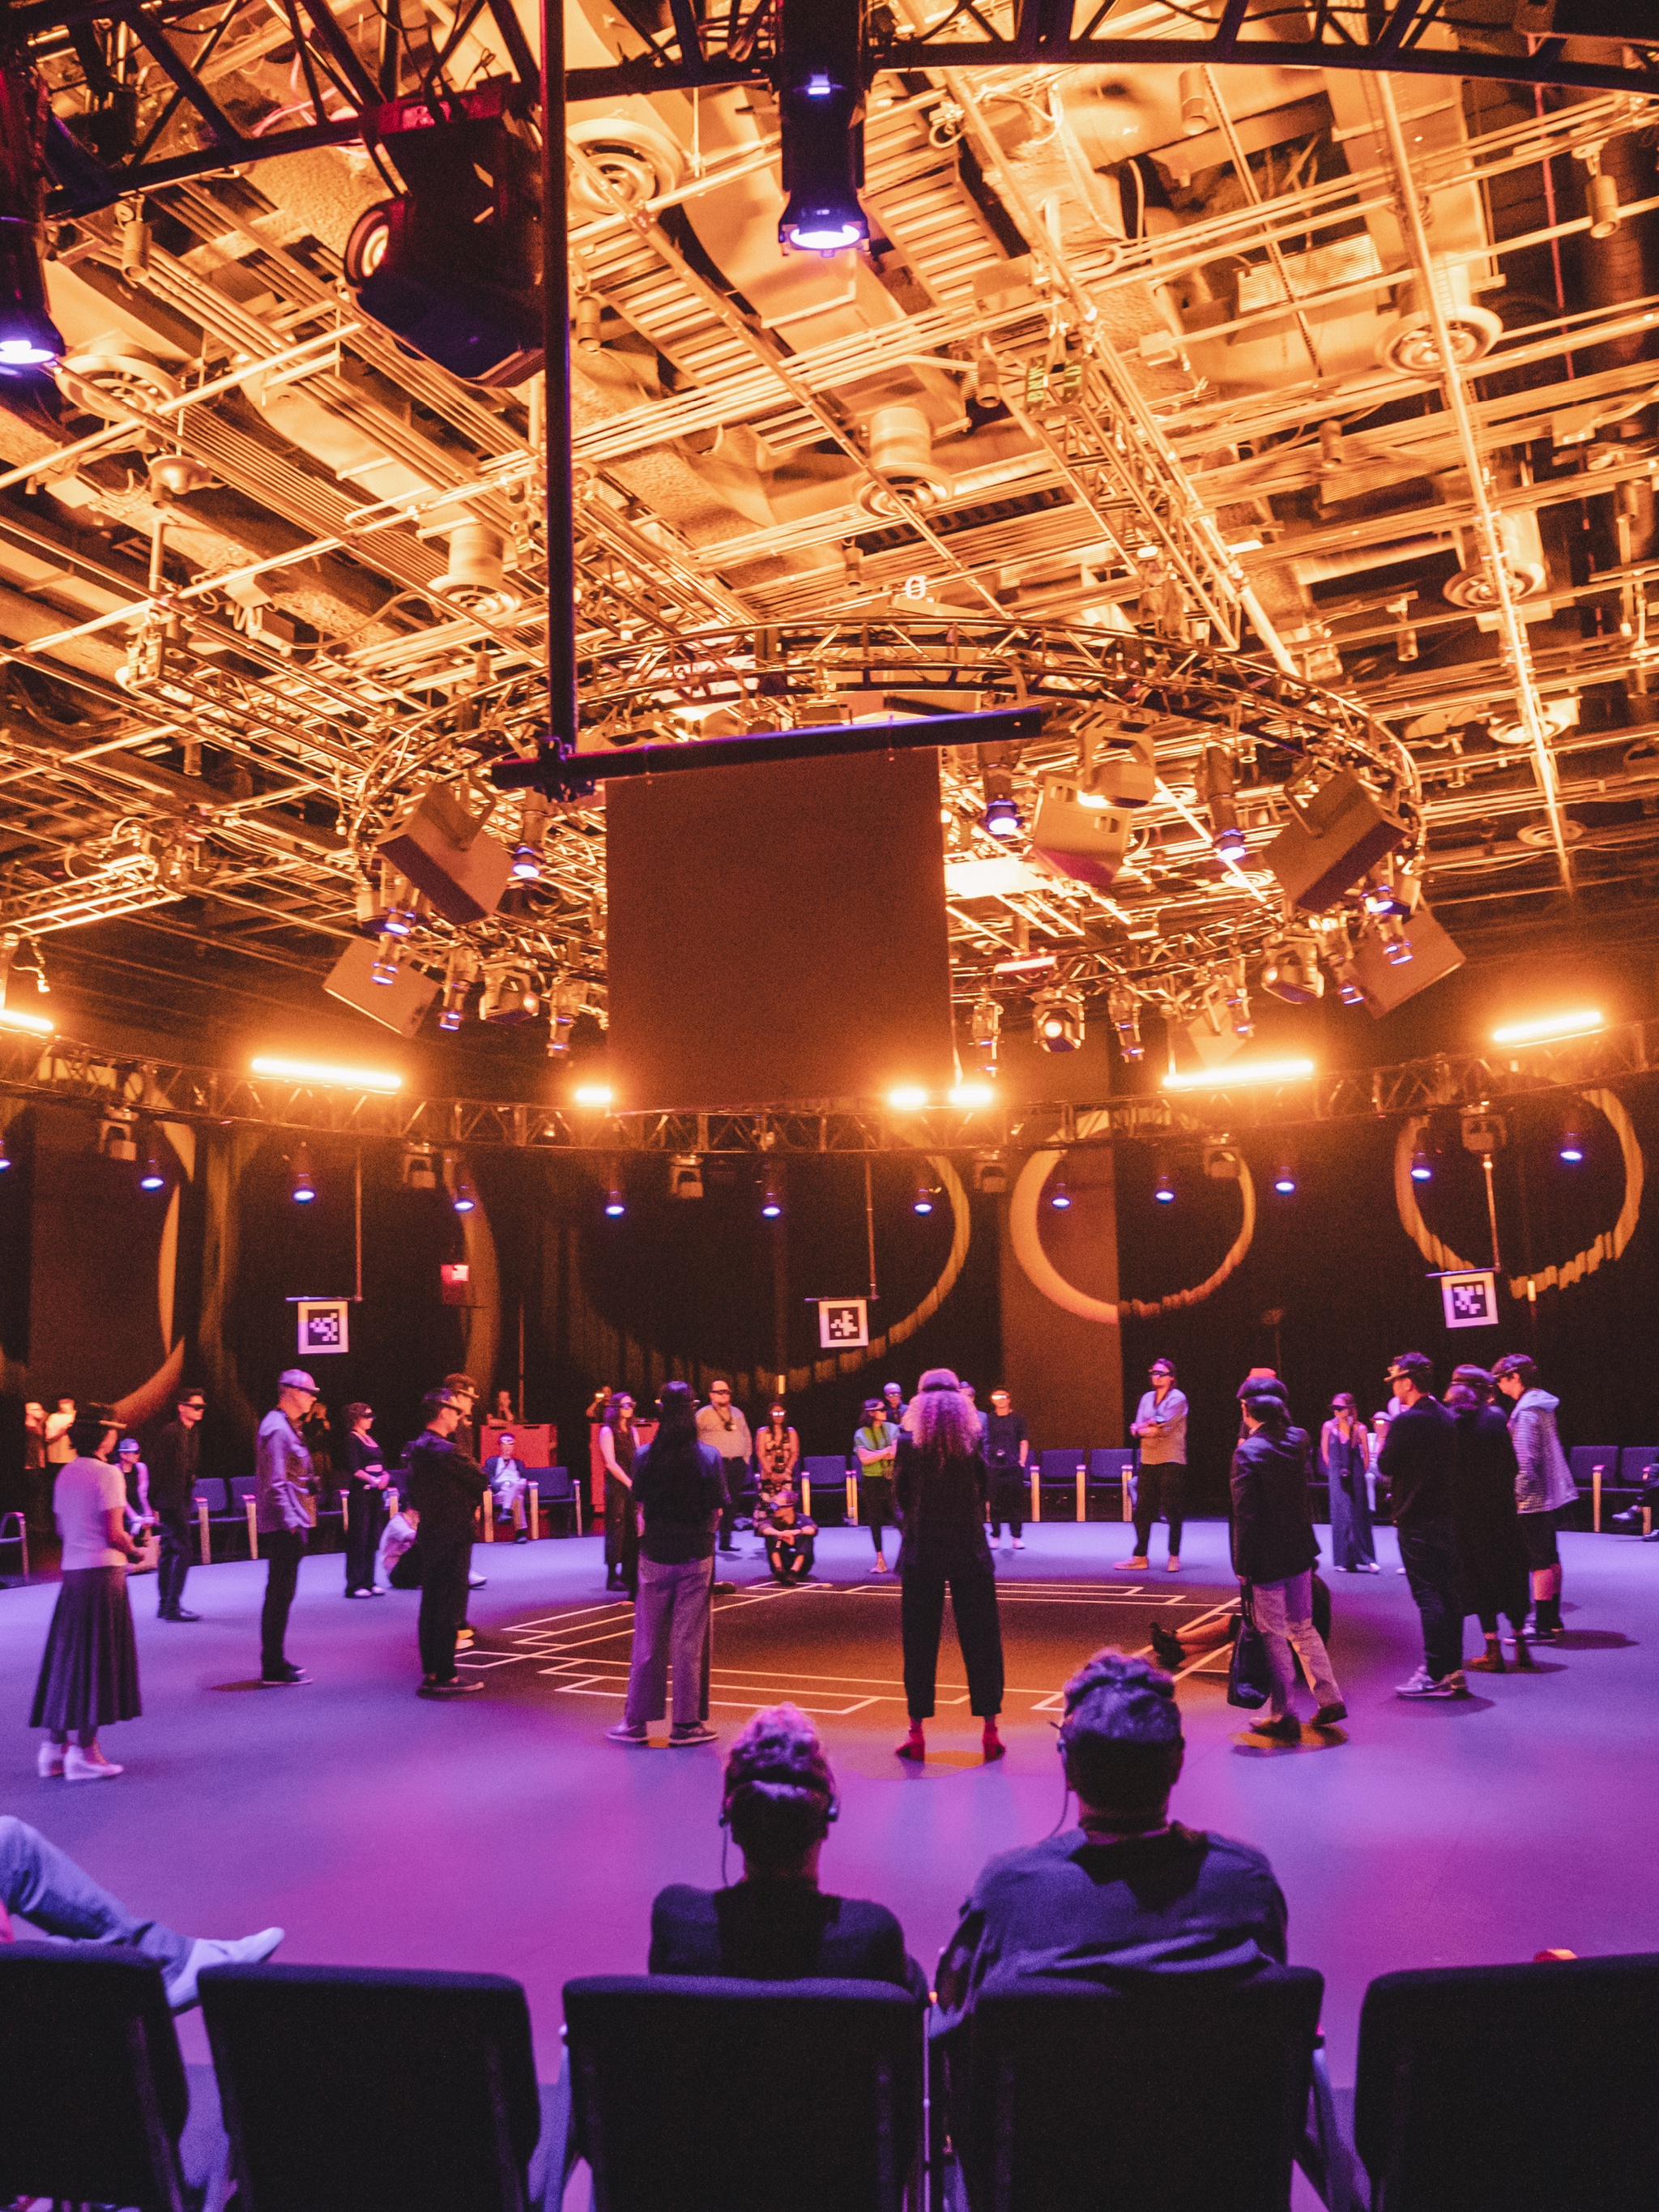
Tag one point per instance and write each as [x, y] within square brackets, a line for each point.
[984, 1027]
[1024, 964]
[384, 968]
[1124, 1008]
[1214, 790]
[970, 1095]
[1551, 1028]
[1422, 1166]
[419, 1170]
[1571, 1149]
[1237, 995]
[906, 1099]
[37, 1025]
[1059, 1197]
[820, 79]
[453, 1010]
[463, 1197]
[596, 1096]
[1396, 946]
[1238, 1072]
[1390, 891]
[116, 1140]
[1285, 1179]
[511, 994]
[152, 1178]
[1057, 1019]
[397, 922]
[312, 1071]
[990, 1175]
[1163, 1189]
[615, 1204]
[1001, 816]
[526, 864]
[1292, 971]
[302, 1182]
[5, 1156]
[771, 1204]
[923, 1200]
[564, 1003]
[685, 1175]
[28, 338]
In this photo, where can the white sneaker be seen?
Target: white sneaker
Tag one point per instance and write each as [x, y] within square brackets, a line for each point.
[1019, 1543]
[87, 1765]
[49, 1761]
[206, 1951]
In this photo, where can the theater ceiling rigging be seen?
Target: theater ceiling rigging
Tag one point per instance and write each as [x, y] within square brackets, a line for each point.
[1265, 416]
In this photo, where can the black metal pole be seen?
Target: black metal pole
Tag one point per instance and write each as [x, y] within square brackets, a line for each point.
[555, 410]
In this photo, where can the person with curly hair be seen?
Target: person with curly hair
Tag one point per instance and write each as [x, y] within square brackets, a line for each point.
[774, 1924]
[942, 1490]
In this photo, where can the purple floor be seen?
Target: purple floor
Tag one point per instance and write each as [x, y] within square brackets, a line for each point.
[505, 1833]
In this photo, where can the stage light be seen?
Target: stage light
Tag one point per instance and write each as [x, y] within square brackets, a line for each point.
[511, 994]
[463, 1197]
[1124, 1007]
[1238, 994]
[984, 1028]
[526, 864]
[36, 1024]
[1024, 964]
[820, 77]
[771, 1205]
[685, 1175]
[152, 1178]
[1238, 1072]
[990, 1175]
[1163, 1189]
[384, 1080]
[1057, 1019]
[1422, 1166]
[906, 1099]
[28, 338]
[564, 1003]
[923, 1200]
[118, 1138]
[1059, 1197]
[1571, 1147]
[397, 922]
[418, 1169]
[302, 1182]
[1292, 971]
[1001, 816]
[1396, 946]
[615, 1204]
[383, 969]
[5, 1156]
[453, 1012]
[970, 1095]
[1285, 1179]
[1213, 790]
[1552, 1029]
[595, 1096]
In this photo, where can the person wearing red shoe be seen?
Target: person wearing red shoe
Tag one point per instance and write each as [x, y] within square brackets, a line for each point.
[942, 1490]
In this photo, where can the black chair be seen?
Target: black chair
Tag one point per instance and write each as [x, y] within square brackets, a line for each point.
[1171, 2093]
[827, 1473]
[557, 1494]
[359, 2090]
[227, 1518]
[96, 2105]
[241, 1488]
[1525, 2088]
[15, 1530]
[692, 2095]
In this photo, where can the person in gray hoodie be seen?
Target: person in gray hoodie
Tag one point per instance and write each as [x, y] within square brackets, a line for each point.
[1544, 1487]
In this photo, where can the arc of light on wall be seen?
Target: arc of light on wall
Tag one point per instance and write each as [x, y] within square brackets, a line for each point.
[1026, 1237]
[1610, 1245]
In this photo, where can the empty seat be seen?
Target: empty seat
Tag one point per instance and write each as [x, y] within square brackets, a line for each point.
[1584, 1459]
[693, 2095]
[1524, 2088]
[95, 2103]
[1176, 2093]
[827, 1474]
[556, 1495]
[1057, 1480]
[1111, 1473]
[359, 2090]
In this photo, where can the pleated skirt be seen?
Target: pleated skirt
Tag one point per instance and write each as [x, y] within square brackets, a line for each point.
[89, 1668]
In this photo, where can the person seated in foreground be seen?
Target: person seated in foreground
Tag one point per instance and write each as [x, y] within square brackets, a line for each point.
[774, 1924]
[1128, 1891]
[47, 1889]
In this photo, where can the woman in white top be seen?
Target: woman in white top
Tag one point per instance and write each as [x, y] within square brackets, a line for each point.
[89, 1669]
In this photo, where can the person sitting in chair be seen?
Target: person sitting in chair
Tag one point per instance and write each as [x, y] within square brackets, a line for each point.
[775, 1924]
[509, 1484]
[1128, 1891]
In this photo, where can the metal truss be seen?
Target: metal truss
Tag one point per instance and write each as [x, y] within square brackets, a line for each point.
[161, 1090]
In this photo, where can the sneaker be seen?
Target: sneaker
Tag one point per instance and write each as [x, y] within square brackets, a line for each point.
[87, 1765]
[360, 1593]
[1019, 1543]
[523, 1536]
[284, 1677]
[456, 1687]
[1286, 1729]
[1424, 1685]
[1174, 1562]
[698, 1732]
[475, 1581]
[1132, 1565]
[49, 1761]
[206, 1951]
[1328, 1715]
[177, 1613]
[623, 1733]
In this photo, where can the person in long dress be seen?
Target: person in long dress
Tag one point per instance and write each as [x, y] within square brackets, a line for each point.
[1490, 1547]
[943, 1488]
[1344, 1457]
[622, 1528]
[89, 1669]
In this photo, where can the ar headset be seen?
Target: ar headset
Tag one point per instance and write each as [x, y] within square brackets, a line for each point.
[1107, 1673]
[781, 1773]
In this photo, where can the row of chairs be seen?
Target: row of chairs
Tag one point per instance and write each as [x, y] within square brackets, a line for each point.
[225, 1516]
[1064, 1485]
[1610, 1477]
[1523, 2089]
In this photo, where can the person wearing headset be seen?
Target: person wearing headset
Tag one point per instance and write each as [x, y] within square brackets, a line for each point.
[774, 1924]
[1128, 1889]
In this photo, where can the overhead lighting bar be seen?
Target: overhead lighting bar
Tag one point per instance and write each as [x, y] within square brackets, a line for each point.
[970, 1095]
[1231, 1077]
[1551, 1028]
[36, 1024]
[1025, 962]
[594, 1096]
[906, 1099]
[384, 1080]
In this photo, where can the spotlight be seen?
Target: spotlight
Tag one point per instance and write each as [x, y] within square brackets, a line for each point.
[615, 1204]
[1240, 1072]
[454, 1012]
[990, 1175]
[152, 1178]
[384, 968]
[418, 1170]
[1124, 1007]
[526, 864]
[5, 1156]
[1391, 891]
[1292, 971]
[1163, 1189]
[1422, 1166]
[1059, 1197]
[1214, 792]
[1238, 999]
[1571, 1147]
[118, 1141]
[464, 1197]
[820, 84]
[564, 1003]
[771, 1204]
[923, 1200]
[12, 1017]
[511, 994]
[984, 1026]
[311, 1070]
[968, 1096]
[451, 266]
[1001, 817]
[1396, 946]
[1057, 1019]
[906, 1099]
[1285, 1180]
[595, 1096]
[301, 1183]
[28, 338]
[1551, 1028]
[685, 1175]
[397, 922]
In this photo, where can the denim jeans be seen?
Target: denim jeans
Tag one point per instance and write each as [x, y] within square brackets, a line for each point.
[50, 1891]
[671, 1626]
[1428, 1553]
[1283, 1615]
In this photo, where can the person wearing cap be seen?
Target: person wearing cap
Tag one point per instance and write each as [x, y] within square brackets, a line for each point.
[774, 1923]
[874, 1446]
[365, 1500]
[444, 1486]
[678, 1491]
[1008, 1456]
[942, 1489]
[176, 1460]
[464, 1392]
[726, 1426]
[141, 1517]
[283, 1482]
[1159, 1428]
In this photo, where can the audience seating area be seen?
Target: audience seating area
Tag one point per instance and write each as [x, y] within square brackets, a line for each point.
[1515, 2089]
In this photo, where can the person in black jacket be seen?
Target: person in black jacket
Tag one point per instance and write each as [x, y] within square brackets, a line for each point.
[775, 1924]
[365, 1501]
[1418, 1462]
[679, 1493]
[942, 1489]
[445, 1485]
[174, 1465]
[1274, 1550]
[1491, 1554]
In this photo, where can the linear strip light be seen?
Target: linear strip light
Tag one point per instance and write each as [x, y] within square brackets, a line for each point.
[1548, 1029]
[311, 1070]
[36, 1024]
[1230, 1079]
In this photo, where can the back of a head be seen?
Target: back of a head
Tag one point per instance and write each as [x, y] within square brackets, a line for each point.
[779, 1797]
[677, 1414]
[1267, 1407]
[1470, 1387]
[1121, 1739]
[944, 1422]
[88, 1429]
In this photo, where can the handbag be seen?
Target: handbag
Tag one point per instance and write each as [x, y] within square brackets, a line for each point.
[1250, 1674]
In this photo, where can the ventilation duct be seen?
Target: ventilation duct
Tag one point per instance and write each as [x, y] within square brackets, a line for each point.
[901, 444]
